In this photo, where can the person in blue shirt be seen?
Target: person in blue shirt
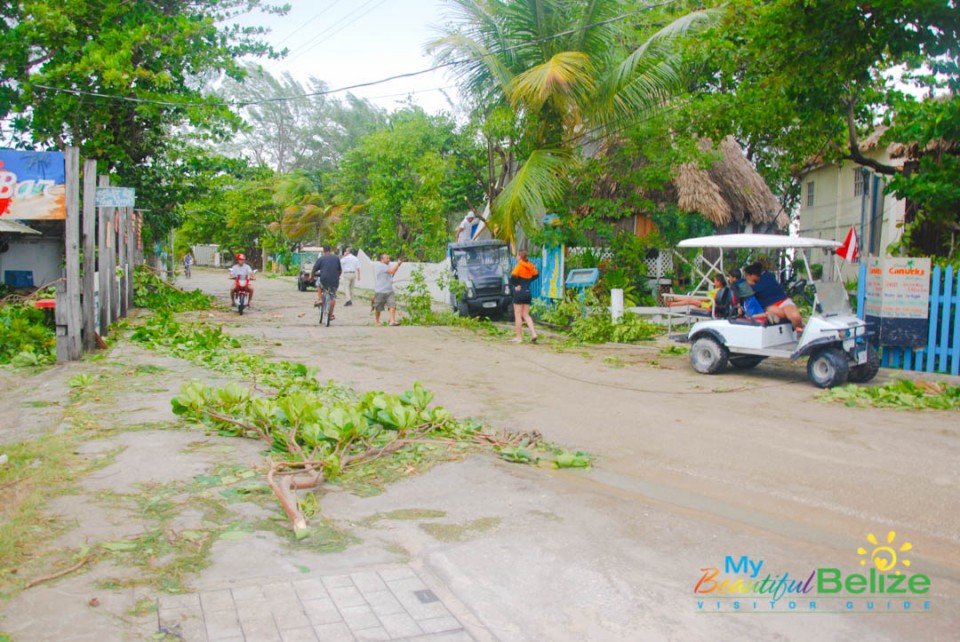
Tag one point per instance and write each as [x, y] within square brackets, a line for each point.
[772, 296]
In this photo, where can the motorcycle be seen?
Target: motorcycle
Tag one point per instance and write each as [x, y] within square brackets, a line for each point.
[241, 292]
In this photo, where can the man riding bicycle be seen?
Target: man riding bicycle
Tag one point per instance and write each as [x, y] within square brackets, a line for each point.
[327, 271]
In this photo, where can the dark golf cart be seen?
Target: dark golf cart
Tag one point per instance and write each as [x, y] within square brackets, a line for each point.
[483, 270]
[308, 256]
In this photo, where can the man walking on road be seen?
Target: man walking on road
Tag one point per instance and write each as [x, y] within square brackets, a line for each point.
[351, 273]
[383, 294]
[327, 271]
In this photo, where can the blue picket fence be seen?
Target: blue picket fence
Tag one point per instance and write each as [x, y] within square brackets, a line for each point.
[942, 351]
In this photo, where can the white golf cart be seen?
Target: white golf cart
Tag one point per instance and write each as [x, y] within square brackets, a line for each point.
[834, 339]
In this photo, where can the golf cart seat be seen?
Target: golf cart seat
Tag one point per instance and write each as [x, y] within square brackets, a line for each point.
[762, 320]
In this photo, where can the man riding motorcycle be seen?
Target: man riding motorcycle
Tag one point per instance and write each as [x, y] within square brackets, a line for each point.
[241, 269]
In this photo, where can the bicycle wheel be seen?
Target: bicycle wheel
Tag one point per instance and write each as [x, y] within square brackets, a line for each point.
[325, 307]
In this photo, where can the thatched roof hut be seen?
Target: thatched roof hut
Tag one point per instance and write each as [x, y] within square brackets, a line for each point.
[731, 194]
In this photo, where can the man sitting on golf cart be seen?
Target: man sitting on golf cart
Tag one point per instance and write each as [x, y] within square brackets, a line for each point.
[772, 296]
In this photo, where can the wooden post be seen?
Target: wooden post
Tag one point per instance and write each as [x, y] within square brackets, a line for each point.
[122, 260]
[89, 255]
[131, 253]
[60, 319]
[104, 228]
[114, 280]
[71, 233]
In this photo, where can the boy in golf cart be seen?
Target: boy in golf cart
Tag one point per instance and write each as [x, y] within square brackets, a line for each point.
[771, 296]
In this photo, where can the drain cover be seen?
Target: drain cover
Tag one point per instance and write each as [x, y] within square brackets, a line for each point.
[426, 597]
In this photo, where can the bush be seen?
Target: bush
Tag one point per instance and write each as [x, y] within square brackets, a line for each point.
[589, 322]
[150, 291]
[25, 338]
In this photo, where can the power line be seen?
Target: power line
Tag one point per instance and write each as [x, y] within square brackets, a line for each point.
[451, 63]
[305, 24]
[332, 30]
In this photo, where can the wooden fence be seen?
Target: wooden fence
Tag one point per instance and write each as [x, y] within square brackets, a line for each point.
[942, 350]
[110, 238]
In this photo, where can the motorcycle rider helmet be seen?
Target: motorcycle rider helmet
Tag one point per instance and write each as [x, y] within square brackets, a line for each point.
[241, 257]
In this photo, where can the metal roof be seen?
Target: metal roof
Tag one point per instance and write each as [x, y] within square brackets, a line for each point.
[11, 227]
[757, 241]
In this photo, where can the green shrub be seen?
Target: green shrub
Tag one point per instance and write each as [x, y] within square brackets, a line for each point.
[25, 338]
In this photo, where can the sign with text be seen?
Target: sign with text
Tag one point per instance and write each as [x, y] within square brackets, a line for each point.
[898, 299]
[32, 185]
[115, 197]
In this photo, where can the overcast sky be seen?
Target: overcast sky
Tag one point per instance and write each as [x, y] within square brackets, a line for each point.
[349, 42]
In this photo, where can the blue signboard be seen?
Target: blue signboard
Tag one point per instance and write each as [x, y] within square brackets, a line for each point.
[115, 197]
[32, 185]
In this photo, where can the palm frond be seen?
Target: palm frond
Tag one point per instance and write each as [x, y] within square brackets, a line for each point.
[566, 79]
[539, 182]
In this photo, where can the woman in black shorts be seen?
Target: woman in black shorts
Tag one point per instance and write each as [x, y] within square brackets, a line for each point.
[521, 277]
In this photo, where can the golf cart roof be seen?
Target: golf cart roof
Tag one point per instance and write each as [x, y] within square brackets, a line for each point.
[752, 241]
[467, 245]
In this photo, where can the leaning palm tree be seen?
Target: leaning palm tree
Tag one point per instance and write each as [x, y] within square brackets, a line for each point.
[308, 216]
[562, 67]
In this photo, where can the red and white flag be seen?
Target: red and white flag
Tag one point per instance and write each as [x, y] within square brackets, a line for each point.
[848, 251]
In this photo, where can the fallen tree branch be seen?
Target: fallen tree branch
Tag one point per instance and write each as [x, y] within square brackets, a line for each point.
[47, 578]
[230, 420]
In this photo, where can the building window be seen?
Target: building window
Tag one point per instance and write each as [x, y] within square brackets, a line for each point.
[810, 194]
[861, 183]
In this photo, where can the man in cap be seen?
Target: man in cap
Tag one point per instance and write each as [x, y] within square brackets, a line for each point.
[468, 227]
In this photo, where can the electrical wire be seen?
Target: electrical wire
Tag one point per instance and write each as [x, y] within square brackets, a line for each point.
[305, 24]
[451, 63]
[327, 34]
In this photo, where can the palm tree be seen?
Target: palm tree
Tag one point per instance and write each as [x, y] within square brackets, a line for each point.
[307, 213]
[563, 68]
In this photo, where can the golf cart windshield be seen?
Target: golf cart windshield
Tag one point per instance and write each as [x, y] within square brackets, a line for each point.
[833, 298]
[481, 258]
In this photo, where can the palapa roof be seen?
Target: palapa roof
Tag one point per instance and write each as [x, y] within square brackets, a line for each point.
[730, 194]
[731, 191]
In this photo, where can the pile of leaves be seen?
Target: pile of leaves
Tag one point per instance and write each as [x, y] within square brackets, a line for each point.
[25, 337]
[317, 432]
[587, 321]
[902, 393]
[211, 347]
[150, 291]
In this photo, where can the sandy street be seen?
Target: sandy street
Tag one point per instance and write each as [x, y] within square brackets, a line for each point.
[746, 473]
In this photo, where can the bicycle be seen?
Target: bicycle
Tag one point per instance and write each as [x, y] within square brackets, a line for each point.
[325, 301]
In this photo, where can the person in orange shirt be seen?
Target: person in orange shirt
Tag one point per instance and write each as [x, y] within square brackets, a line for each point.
[521, 277]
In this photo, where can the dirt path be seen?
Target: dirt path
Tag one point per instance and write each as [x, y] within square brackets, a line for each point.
[690, 469]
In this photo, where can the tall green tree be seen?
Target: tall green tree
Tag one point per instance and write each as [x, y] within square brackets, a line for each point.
[404, 183]
[569, 72]
[289, 126]
[800, 83]
[115, 78]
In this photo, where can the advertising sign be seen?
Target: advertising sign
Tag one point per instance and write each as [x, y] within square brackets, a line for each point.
[115, 197]
[898, 300]
[32, 185]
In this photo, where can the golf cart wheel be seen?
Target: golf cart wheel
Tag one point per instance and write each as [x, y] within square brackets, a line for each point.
[745, 361]
[508, 313]
[463, 309]
[867, 371]
[828, 368]
[301, 286]
[708, 356]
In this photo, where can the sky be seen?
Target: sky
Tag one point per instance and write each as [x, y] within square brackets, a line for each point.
[349, 42]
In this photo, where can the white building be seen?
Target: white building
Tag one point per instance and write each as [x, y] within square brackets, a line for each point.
[836, 197]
